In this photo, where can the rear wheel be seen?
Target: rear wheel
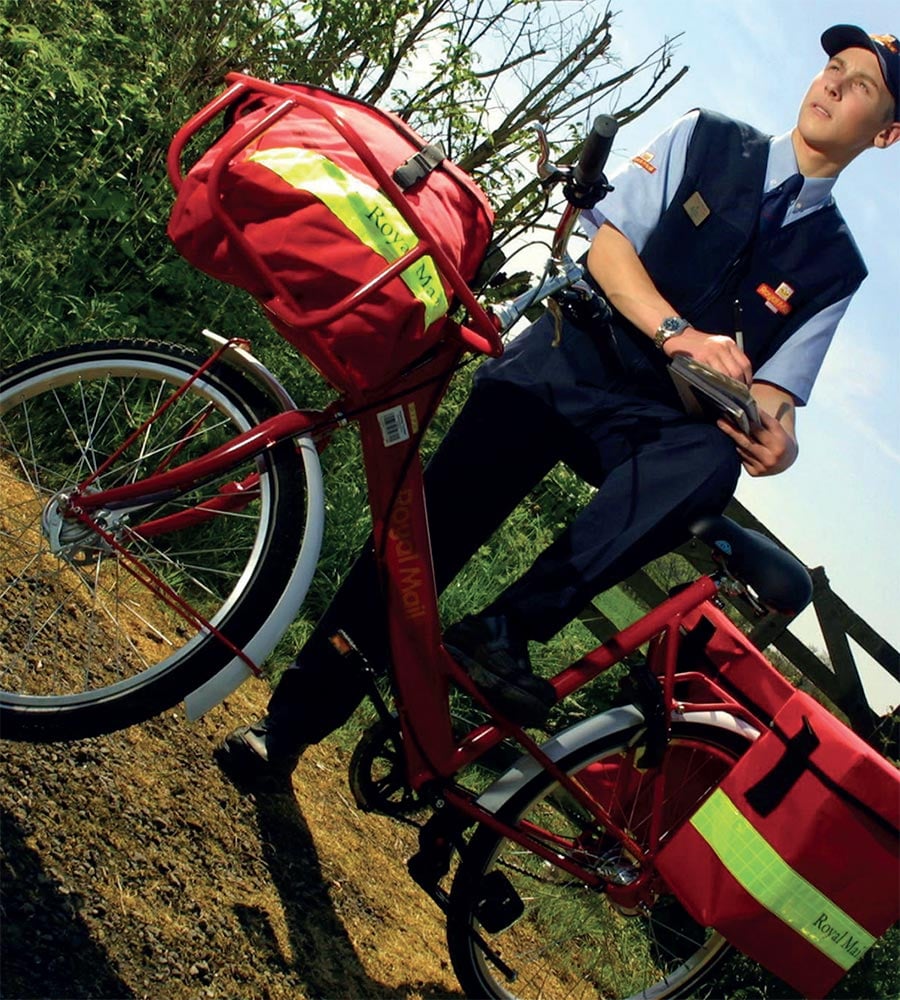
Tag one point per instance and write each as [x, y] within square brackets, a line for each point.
[572, 941]
[86, 648]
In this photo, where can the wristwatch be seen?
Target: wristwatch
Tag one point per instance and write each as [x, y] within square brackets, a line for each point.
[670, 327]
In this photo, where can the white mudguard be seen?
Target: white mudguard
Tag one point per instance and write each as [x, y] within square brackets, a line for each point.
[626, 719]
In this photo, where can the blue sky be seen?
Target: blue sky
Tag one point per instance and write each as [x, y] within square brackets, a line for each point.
[839, 506]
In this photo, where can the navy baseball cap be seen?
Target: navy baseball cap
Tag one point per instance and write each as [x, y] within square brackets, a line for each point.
[885, 47]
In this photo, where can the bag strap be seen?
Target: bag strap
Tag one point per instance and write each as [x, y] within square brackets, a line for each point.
[419, 165]
[772, 788]
[692, 651]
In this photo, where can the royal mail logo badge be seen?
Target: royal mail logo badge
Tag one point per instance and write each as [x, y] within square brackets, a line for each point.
[889, 42]
[776, 299]
[644, 160]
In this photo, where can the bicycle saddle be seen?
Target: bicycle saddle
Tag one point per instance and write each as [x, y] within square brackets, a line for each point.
[781, 582]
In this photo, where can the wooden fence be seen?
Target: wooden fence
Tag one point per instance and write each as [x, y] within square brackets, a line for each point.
[838, 680]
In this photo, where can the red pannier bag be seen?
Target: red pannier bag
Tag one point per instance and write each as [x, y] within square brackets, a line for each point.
[285, 206]
[794, 856]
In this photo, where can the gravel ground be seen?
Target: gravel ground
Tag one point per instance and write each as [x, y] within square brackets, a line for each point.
[132, 868]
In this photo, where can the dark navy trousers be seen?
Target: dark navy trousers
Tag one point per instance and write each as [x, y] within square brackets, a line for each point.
[616, 423]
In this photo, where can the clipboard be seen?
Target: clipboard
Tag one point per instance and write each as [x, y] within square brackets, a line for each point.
[706, 392]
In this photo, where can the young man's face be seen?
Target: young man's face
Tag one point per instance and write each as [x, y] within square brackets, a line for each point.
[847, 109]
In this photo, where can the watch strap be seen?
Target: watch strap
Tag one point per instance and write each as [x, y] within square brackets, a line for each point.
[670, 327]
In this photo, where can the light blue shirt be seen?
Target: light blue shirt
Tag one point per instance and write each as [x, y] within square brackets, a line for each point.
[641, 196]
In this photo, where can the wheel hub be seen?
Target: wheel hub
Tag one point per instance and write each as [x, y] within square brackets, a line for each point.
[617, 868]
[71, 539]
[626, 889]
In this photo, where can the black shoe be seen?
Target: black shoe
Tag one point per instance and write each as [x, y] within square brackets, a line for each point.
[500, 667]
[247, 758]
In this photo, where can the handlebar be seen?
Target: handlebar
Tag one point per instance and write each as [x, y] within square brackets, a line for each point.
[583, 186]
[597, 146]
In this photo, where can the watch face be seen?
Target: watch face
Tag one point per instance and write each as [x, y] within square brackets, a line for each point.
[669, 327]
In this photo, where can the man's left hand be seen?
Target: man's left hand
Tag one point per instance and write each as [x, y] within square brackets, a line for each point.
[766, 450]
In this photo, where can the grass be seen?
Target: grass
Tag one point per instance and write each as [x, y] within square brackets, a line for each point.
[619, 607]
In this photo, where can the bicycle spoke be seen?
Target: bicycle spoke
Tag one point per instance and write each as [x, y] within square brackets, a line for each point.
[119, 616]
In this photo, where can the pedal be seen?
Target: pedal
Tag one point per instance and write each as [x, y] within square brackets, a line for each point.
[498, 906]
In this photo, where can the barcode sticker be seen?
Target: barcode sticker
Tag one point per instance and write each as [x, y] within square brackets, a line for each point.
[394, 427]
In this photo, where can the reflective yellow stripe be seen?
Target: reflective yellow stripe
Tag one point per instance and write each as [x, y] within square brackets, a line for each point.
[771, 881]
[365, 211]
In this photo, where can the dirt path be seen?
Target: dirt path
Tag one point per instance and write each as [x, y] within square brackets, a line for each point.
[132, 868]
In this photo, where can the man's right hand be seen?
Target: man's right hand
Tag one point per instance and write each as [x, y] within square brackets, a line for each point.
[616, 267]
[712, 349]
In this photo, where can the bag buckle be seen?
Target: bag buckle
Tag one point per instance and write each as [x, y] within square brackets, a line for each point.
[419, 165]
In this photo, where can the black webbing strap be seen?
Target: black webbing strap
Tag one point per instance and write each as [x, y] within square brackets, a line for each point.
[692, 655]
[773, 788]
[765, 795]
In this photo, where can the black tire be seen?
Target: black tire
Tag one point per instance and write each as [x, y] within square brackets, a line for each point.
[86, 648]
[571, 941]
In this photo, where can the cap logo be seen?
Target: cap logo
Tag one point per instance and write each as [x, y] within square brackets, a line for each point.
[888, 41]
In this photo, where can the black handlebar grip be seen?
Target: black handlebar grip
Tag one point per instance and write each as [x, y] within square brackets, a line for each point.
[597, 146]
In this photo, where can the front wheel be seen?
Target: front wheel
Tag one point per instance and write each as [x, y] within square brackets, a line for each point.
[572, 941]
[85, 646]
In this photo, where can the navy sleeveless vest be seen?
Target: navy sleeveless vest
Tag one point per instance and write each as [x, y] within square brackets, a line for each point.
[705, 251]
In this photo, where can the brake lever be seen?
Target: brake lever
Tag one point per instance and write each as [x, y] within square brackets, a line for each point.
[547, 172]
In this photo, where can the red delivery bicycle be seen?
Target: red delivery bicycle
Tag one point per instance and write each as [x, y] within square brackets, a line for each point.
[162, 519]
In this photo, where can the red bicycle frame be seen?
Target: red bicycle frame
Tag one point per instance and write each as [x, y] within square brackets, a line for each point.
[423, 672]
[391, 428]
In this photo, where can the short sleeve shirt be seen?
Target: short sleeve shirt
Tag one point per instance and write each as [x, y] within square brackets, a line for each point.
[644, 188]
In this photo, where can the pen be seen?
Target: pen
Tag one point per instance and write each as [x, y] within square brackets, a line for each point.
[738, 332]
